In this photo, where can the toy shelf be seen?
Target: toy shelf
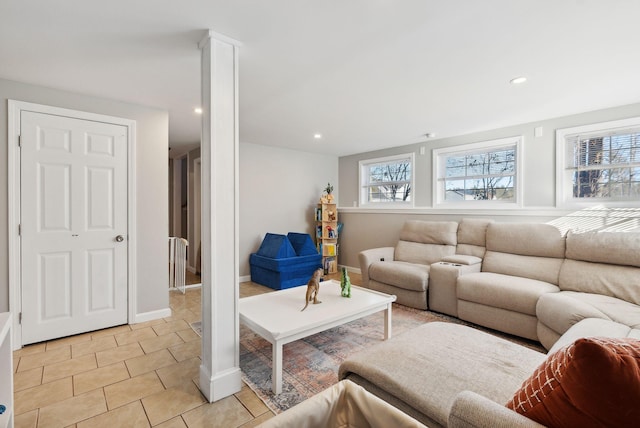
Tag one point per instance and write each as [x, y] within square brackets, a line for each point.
[326, 218]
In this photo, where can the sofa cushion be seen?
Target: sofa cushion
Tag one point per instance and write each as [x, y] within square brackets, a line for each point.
[622, 282]
[425, 254]
[562, 310]
[618, 248]
[302, 244]
[471, 250]
[430, 232]
[503, 291]
[426, 242]
[593, 327]
[438, 361]
[526, 239]
[593, 382]
[472, 234]
[462, 259]
[276, 246]
[400, 274]
[473, 231]
[545, 269]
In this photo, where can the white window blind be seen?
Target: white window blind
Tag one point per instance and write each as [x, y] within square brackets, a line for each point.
[604, 164]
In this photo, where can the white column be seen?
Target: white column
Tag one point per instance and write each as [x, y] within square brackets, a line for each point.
[220, 369]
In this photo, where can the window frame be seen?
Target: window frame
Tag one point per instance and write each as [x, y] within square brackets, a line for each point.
[564, 175]
[363, 183]
[438, 189]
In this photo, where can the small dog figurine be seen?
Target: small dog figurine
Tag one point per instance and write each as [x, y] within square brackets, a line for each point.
[313, 287]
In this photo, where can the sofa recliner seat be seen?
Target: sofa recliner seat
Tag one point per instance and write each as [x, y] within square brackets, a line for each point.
[408, 276]
[521, 263]
[403, 270]
[503, 291]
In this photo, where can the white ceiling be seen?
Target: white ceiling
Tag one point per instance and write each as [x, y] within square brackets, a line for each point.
[367, 74]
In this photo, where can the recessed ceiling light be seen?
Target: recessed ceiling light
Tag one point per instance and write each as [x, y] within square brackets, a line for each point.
[317, 136]
[197, 110]
[518, 80]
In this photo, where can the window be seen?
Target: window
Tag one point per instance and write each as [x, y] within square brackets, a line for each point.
[599, 163]
[478, 174]
[387, 181]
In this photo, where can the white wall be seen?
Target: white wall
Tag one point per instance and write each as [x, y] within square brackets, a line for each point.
[279, 189]
[373, 228]
[151, 180]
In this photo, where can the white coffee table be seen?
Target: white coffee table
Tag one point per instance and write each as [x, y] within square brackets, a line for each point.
[277, 317]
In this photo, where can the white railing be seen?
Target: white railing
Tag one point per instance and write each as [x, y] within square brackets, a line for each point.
[178, 263]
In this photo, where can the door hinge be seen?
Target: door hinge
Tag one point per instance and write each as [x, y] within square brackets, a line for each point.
[19, 230]
[19, 140]
[20, 318]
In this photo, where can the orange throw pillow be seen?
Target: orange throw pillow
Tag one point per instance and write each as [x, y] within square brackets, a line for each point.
[593, 382]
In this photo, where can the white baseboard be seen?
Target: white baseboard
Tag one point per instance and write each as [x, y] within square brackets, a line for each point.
[153, 315]
[244, 278]
[198, 285]
[351, 269]
[221, 385]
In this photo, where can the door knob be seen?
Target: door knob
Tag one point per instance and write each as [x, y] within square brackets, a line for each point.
[119, 238]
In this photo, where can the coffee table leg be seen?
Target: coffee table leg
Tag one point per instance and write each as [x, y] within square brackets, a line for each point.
[387, 322]
[276, 375]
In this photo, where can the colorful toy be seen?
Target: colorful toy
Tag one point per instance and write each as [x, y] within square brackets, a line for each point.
[313, 288]
[345, 283]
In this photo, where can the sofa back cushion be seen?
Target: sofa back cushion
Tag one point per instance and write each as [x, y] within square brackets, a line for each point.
[619, 248]
[526, 239]
[545, 269]
[622, 282]
[530, 250]
[472, 236]
[426, 242]
[606, 263]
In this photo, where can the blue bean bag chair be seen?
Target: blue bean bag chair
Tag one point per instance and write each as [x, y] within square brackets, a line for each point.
[284, 261]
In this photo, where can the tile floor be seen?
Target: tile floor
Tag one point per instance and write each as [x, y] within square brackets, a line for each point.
[137, 375]
[129, 376]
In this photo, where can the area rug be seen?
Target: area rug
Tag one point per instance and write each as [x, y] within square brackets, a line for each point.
[311, 364]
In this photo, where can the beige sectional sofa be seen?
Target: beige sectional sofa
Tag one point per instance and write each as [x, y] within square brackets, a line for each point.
[403, 270]
[525, 279]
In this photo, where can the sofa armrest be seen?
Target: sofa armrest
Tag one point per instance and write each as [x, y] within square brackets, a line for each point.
[462, 259]
[443, 279]
[367, 257]
[471, 410]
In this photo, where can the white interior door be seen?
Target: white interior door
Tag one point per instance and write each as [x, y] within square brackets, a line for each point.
[73, 225]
